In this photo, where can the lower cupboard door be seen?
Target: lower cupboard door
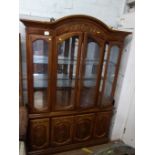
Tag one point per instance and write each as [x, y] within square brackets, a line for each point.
[102, 124]
[83, 127]
[39, 133]
[61, 130]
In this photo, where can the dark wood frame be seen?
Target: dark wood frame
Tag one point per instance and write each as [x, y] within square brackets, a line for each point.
[33, 38]
[82, 26]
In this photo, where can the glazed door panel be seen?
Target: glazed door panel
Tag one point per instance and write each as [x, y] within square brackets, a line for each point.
[109, 72]
[102, 124]
[90, 70]
[39, 68]
[61, 130]
[39, 134]
[68, 51]
[83, 127]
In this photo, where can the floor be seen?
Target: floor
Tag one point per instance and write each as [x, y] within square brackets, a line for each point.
[104, 149]
[22, 148]
[90, 150]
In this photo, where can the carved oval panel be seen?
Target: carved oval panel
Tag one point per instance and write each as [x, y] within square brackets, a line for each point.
[62, 129]
[100, 127]
[39, 133]
[102, 124]
[84, 129]
[63, 132]
[39, 136]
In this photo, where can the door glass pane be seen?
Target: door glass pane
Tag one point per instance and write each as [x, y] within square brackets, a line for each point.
[40, 73]
[89, 74]
[114, 53]
[66, 73]
[103, 67]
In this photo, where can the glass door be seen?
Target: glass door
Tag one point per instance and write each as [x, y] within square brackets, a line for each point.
[68, 53]
[40, 51]
[109, 73]
[91, 60]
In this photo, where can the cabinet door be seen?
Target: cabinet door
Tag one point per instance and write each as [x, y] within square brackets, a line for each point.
[61, 130]
[110, 72]
[83, 127]
[90, 70]
[39, 133]
[38, 72]
[66, 66]
[102, 124]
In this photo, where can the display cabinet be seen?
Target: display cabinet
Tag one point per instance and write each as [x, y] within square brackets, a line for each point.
[72, 65]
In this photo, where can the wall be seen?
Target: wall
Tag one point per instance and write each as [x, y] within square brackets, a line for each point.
[105, 10]
[123, 123]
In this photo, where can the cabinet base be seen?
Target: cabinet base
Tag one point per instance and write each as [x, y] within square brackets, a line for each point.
[64, 148]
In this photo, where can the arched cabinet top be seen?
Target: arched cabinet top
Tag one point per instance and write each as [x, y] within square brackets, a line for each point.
[77, 23]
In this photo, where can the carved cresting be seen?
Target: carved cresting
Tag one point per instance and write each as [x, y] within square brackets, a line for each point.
[82, 27]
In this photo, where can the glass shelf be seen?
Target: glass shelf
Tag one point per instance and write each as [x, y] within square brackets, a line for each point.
[68, 61]
[40, 81]
[110, 62]
[66, 77]
[65, 83]
[40, 84]
[40, 76]
[39, 59]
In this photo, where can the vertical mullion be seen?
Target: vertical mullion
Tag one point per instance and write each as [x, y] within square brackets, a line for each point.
[49, 72]
[71, 58]
[81, 66]
[29, 72]
[106, 69]
[65, 67]
[54, 71]
[77, 78]
[71, 67]
[102, 53]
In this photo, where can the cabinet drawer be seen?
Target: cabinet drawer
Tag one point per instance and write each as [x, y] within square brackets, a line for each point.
[61, 130]
[83, 127]
[39, 133]
[102, 124]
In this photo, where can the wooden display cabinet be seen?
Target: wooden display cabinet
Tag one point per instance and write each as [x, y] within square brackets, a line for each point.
[73, 65]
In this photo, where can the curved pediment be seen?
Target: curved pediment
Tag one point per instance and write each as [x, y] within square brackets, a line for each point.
[83, 23]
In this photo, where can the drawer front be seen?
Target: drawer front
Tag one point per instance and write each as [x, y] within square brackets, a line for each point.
[39, 133]
[61, 130]
[83, 127]
[102, 124]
